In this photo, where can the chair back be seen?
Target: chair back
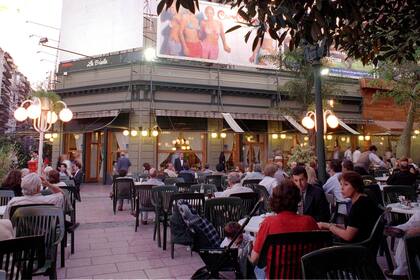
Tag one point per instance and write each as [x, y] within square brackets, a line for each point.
[143, 196]
[183, 187]
[374, 192]
[412, 245]
[201, 177]
[122, 187]
[341, 262]
[286, 249]
[377, 234]
[20, 257]
[208, 188]
[248, 199]
[262, 192]
[161, 197]
[41, 220]
[71, 194]
[251, 183]
[64, 178]
[391, 193]
[196, 200]
[173, 180]
[216, 180]
[69, 183]
[6, 196]
[220, 211]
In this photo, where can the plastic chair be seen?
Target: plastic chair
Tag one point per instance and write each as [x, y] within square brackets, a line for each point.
[208, 188]
[341, 262]
[161, 198]
[251, 183]
[6, 196]
[42, 220]
[121, 190]
[412, 247]
[216, 180]
[286, 249]
[183, 187]
[71, 194]
[21, 257]
[220, 211]
[173, 180]
[262, 192]
[196, 200]
[142, 196]
[248, 199]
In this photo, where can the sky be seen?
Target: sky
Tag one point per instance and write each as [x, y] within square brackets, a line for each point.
[21, 26]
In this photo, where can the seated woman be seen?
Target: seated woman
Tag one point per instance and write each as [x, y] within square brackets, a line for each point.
[12, 182]
[284, 201]
[363, 214]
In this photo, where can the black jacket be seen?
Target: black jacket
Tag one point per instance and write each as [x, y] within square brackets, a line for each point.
[316, 204]
[177, 164]
[402, 178]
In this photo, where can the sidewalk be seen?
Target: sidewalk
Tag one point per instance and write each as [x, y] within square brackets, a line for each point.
[107, 246]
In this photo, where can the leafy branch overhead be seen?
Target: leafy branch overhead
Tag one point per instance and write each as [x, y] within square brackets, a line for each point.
[368, 30]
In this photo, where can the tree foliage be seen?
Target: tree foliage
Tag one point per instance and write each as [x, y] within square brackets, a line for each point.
[369, 30]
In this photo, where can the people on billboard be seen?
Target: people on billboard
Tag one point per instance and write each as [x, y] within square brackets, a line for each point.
[174, 42]
[260, 55]
[212, 29]
[189, 35]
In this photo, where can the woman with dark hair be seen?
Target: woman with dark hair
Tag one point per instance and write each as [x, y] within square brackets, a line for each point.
[363, 214]
[284, 202]
[12, 182]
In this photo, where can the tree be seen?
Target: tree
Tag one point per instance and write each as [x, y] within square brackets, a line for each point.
[404, 87]
[369, 30]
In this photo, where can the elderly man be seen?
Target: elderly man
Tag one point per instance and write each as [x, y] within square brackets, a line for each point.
[269, 182]
[31, 189]
[256, 173]
[234, 186]
[280, 175]
[153, 180]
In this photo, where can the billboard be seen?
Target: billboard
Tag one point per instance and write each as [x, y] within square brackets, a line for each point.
[95, 27]
[201, 37]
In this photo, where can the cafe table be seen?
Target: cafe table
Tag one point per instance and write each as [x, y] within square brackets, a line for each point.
[254, 223]
[403, 209]
[382, 179]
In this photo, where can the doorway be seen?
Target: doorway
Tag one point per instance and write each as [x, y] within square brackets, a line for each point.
[93, 157]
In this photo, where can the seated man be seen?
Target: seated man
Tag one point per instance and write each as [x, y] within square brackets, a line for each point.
[153, 180]
[234, 186]
[403, 176]
[187, 174]
[170, 170]
[269, 182]
[31, 189]
[333, 186]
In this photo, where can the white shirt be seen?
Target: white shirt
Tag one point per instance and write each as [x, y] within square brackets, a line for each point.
[269, 183]
[170, 173]
[153, 181]
[332, 186]
[6, 229]
[373, 158]
[348, 154]
[56, 198]
[356, 156]
[237, 188]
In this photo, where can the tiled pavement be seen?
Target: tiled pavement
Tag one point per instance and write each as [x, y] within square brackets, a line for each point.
[107, 246]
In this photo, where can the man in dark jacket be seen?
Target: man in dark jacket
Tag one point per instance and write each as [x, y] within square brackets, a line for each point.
[314, 202]
[403, 176]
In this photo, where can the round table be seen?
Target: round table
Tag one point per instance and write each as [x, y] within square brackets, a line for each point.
[399, 208]
[254, 224]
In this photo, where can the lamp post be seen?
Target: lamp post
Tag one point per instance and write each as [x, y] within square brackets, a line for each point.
[150, 56]
[41, 112]
[313, 54]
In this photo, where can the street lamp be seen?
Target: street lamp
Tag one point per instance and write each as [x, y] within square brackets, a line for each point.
[328, 119]
[41, 112]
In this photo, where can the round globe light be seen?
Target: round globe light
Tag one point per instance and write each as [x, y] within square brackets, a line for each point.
[77, 136]
[48, 135]
[66, 115]
[361, 138]
[155, 133]
[52, 117]
[144, 133]
[343, 139]
[417, 131]
[188, 148]
[222, 135]
[329, 137]
[275, 136]
[34, 111]
[126, 132]
[20, 114]
[282, 136]
[214, 135]
[133, 133]
[367, 137]
[306, 138]
[51, 139]
[308, 122]
[55, 135]
[332, 121]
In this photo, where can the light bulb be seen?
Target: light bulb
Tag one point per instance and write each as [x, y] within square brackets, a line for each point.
[144, 133]
[329, 137]
[361, 138]
[183, 147]
[66, 115]
[367, 137]
[275, 136]
[325, 71]
[20, 114]
[52, 117]
[77, 136]
[126, 132]
[34, 111]
[155, 133]
[332, 121]
[133, 133]
[188, 148]
[306, 138]
[173, 149]
[173, 142]
[51, 139]
[213, 135]
[308, 122]
[222, 135]
[54, 135]
[150, 54]
[187, 142]
[343, 139]
[283, 136]
[48, 135]
[417, 131]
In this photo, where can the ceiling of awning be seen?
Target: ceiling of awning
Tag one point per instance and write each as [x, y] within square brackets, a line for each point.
[96, 114]
[218, 115]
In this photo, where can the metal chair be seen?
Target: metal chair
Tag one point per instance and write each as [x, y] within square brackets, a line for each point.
[368, 180]
[196, 200]
[207, 188]
[341, 262]
[412, 246]
[121, 189]
[161, 198]
[42, 220]
[216, 180]
[248, 199]
[21, 257]
[220, 211]
[282, 253]
[70, 194]
[251, 183]
[142, 196]
[6, 196]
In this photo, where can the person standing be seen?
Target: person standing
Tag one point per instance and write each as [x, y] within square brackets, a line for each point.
[369, 157]
[348, 153]
[179, 162]
[123, 163]
[356, 154]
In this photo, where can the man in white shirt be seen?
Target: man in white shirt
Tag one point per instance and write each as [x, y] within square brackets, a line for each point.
[369, 157]
[153, 180]
[333, 186]
[348, 154]
[31, 189]
[269, 182]
[234, 186]
[356, 154]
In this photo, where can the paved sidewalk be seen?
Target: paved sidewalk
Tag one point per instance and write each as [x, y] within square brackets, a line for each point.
[107, 246]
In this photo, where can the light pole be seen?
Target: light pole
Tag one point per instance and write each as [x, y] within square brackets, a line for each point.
[42, 113]
[328, 119]
[150, 56]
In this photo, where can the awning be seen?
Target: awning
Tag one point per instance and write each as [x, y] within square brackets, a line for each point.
[96, 114]
[232, 123]
[217, 115]
[348, 128]
[293, 122]
[391, 125]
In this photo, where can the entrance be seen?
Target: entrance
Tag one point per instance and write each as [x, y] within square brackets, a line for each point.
[93, 156]
[253, 148]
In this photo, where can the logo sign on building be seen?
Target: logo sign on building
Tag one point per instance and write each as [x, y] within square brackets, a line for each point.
[96, 27]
